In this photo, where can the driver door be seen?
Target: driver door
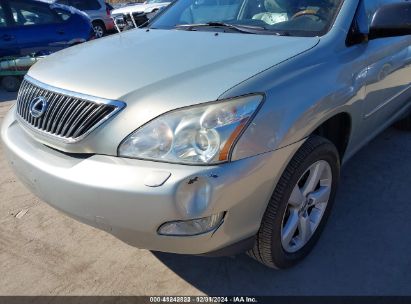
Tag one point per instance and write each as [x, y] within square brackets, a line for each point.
[8, 42]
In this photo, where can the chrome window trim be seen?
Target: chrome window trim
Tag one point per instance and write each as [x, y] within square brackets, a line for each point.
[117, 104]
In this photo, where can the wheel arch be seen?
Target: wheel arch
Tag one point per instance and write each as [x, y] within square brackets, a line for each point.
[336, 129]
[99, 21]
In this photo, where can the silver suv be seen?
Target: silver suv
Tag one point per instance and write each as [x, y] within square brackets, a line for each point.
[225, 130]
[97, 10]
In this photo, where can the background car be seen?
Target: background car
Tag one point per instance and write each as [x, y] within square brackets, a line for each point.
[146, 7]
[30, 27]
[97, 10]
[141, 12]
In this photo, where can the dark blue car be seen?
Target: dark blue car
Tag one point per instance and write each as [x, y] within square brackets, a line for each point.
[29, 27]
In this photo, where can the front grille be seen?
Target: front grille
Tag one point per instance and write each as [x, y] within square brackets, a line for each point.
[69, 116]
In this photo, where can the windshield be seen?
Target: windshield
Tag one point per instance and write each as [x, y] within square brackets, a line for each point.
[281, 17]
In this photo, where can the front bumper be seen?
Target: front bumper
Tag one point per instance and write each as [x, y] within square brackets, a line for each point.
[110, 193]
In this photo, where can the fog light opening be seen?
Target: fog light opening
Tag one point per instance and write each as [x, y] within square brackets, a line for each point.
[192, 227]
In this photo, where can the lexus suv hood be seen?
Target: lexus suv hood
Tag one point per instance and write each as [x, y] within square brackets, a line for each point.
[156, 71]
[177, 65]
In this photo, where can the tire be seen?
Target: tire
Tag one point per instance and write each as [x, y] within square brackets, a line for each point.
[11, 83]
[268, 247]
[99, 29]
[404, 124]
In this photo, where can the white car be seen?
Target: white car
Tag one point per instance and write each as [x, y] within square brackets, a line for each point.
[134, 15]
[149, 6]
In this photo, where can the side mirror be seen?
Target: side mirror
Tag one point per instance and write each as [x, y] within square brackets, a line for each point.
[391, 20]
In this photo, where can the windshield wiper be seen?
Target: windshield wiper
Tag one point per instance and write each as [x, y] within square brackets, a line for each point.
[282, 33]
[248, 29]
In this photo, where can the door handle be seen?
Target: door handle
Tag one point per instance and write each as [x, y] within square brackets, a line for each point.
[60, 32]
[7, 37]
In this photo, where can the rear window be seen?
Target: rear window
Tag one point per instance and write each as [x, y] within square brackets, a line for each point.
[86, 5]
[63, 14]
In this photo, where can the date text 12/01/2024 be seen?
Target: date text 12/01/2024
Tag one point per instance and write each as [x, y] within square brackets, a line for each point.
[203, 299]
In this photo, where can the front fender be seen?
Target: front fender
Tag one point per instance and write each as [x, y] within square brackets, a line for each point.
[301, 94]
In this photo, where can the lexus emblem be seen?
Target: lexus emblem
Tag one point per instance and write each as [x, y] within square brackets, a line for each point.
[38, 106]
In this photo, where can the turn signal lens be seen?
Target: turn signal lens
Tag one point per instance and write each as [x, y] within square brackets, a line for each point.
[191, 227]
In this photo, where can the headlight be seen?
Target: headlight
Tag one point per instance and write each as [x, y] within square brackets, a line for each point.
[197, 135]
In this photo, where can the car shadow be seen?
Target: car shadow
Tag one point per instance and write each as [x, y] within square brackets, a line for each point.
[364, 250]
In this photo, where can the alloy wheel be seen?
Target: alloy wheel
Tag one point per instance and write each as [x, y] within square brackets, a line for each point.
[306, 206]
[98, 30]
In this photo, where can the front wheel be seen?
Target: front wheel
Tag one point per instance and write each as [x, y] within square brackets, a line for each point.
[300, 205]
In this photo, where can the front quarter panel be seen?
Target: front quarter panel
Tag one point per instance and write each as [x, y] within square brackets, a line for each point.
[303, 93]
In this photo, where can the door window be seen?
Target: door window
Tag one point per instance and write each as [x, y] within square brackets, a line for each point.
[2, 17]
[32, 13]
[63, 14]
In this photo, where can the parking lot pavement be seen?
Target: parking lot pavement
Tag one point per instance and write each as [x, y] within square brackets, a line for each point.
[365, 249]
